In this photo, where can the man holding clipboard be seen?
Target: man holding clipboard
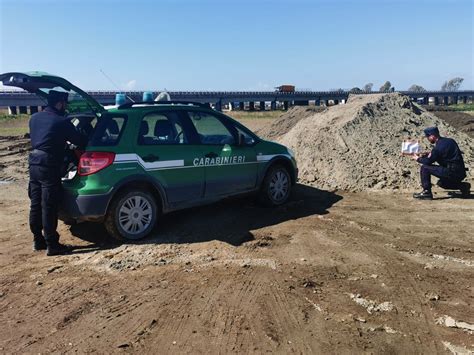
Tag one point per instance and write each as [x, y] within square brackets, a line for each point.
[450, 169]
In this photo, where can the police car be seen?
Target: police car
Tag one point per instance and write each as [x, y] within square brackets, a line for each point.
[145, 159]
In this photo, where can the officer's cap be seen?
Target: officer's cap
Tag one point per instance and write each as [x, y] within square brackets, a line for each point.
[431, 131]
[56, 96]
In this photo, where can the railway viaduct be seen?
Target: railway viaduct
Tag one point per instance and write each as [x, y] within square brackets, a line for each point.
[24, 102]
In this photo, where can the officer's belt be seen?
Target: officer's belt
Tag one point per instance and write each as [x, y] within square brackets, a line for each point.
[40, 157]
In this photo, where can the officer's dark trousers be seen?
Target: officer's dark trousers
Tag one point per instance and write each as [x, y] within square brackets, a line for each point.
[44, 191]
[446, 180]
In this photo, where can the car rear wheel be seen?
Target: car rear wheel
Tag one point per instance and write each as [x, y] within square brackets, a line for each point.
[276, 186]
[132, 215]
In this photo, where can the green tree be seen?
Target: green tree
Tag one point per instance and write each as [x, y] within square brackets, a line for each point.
[416, 88]
[355, 90]
[368, 87]
[386, 87]
[452, 85]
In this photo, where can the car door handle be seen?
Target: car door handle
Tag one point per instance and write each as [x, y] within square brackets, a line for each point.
[151, 157]
[211, 155]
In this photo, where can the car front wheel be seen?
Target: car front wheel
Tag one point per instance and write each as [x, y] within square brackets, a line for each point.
[132, 215]
[276, 186]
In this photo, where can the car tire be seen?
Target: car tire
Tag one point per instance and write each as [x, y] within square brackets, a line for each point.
[276, 186]
[132, 215]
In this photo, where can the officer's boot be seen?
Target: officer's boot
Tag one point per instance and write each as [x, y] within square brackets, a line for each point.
[465, 189]
[58, 249]
[39, 243]
[423, 195]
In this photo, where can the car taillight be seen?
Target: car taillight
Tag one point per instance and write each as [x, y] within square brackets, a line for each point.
[92, 162]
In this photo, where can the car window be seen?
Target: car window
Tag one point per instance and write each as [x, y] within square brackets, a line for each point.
[210, 129]
[248, 139]
[161, 128]
[108, 130]
[85, 124]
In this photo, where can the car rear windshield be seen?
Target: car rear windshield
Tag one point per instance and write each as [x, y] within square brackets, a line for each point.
[108, 131]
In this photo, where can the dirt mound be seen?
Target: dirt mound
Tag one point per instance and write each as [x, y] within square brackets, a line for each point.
[460, 120]
[356, 146]
[288, 120]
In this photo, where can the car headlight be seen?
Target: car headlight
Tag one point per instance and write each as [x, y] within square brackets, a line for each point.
[291, 152]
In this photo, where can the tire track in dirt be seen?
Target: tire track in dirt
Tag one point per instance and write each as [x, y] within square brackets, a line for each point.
[412, 296]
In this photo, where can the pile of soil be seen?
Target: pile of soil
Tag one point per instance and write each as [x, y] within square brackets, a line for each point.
[356, 146]
[460, 120]
[287, 120]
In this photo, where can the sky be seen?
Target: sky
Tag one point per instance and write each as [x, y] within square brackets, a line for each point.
[240, 45]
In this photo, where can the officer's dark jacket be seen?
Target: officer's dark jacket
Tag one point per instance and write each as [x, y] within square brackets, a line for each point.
[447, 154]
[49, 132]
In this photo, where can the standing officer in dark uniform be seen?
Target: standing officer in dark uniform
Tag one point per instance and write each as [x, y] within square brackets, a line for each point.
[49, 132]
[450, 171]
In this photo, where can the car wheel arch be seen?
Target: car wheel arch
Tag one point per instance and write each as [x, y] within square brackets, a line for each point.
[141, 183]
[285, 162]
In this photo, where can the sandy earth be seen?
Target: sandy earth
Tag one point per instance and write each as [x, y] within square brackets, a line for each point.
[329, 272]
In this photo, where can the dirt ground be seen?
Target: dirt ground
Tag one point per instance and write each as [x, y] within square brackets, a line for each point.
[329, 272]
[463, 121]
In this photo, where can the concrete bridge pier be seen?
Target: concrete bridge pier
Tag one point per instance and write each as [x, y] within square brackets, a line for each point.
[326, 103]
[426, 100]
[273, 105]
[336, 102]
[455, 100]
[446, 100]
[242, 106]
[218, 106]
[251, 106]
[464, 99]
[12, 110]
[262, 105]
[317, 102]
[436, 100]
[285, 105]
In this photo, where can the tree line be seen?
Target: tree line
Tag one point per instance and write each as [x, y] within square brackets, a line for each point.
[449, 85]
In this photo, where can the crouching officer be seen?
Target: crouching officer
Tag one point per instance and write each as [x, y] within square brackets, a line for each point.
[450, 171]
[49, 132]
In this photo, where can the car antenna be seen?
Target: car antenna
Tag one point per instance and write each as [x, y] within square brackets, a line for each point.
[116, 86]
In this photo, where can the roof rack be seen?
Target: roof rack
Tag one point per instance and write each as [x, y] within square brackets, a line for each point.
[153, 103]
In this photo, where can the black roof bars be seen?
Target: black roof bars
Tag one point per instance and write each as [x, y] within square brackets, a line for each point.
[131, 104]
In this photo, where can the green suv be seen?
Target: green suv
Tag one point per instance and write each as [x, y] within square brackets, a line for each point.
[145, 159]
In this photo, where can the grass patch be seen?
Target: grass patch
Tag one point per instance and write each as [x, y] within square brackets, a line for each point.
[238, 115]
[463, 107]
[4, 117]
[13, 125]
